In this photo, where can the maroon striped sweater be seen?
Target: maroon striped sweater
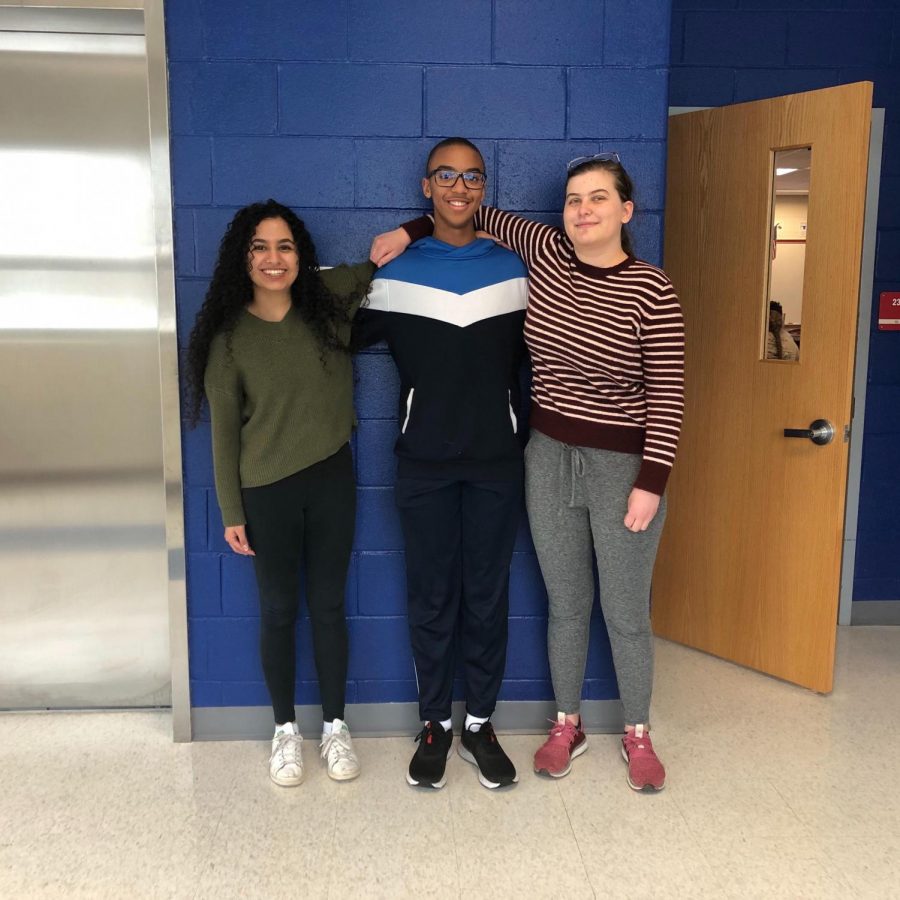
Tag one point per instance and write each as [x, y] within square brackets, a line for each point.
[607, 348]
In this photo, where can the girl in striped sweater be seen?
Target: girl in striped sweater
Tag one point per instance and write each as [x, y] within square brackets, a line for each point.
[606, 339]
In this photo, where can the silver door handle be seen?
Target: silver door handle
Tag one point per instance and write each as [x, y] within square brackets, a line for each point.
[819, 432]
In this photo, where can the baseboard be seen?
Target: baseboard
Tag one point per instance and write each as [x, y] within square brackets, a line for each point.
[254, 723]
[875, 612]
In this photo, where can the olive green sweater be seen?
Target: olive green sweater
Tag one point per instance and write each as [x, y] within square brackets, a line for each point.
[275, 408]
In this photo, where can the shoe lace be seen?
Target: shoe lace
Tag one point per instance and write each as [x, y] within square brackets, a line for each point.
[638, 745]
[287, 750]
[565, 730]
[426, 735]
[336, 746]
[487, 730]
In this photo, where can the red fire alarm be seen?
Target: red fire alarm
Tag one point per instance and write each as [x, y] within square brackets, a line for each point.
[889, 311]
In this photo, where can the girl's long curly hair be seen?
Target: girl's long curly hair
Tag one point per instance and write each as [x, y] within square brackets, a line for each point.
[231, 290]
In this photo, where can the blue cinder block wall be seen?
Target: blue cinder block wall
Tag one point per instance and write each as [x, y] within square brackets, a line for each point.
[331, 106]
[730, 51]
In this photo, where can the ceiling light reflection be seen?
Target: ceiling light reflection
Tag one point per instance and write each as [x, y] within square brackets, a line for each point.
[74, 205]
[41, 311]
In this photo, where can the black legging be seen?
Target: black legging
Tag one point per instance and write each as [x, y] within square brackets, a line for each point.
[307, 516]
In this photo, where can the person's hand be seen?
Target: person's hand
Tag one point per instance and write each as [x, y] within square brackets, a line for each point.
[490, 237]
[236, 538]
[642, 507]
[388, 245]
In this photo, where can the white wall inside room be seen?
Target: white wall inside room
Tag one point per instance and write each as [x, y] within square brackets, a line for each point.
[787, 267]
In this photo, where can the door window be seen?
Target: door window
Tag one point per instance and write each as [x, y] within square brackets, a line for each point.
[783, 311]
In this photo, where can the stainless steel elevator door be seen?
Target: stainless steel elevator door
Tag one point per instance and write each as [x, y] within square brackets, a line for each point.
[83, 576]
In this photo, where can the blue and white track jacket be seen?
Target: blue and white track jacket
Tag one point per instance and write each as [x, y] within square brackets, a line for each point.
[452, 318]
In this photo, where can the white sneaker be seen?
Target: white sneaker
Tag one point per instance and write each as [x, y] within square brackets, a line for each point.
[286, 761]
[337, 751]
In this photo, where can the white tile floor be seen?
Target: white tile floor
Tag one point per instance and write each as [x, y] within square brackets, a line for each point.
[773, 792]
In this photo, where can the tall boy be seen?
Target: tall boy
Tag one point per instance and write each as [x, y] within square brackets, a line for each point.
[451, 309]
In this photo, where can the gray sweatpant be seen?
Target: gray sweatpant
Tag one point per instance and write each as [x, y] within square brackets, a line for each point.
[577, 498]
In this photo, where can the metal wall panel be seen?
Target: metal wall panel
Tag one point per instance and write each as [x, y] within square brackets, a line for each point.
[83, 569]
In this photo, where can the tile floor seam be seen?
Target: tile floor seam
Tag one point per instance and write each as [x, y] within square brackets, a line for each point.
[698, 846]
[210, 841]
[787, 803]
[333, 840]
[455, 847]
[587, 876]
[810, 830]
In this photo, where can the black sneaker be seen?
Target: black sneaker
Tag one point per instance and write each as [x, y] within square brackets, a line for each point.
[483, 750]
[426, 768]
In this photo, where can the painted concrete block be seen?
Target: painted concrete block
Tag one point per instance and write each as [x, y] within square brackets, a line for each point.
[294, 171]
[209, 225]
[382, 583]
[535, 32]
[185, 251]
[184, 30]
[380, 650]
[700, 86]
[340, 99]
[883, 410]
[759, 84]
[244, 693]
[233, 649]
[844, 38]
[377, 522]
[405, 31]
[526, 656]
[191, 169]
[222, 98]
[527, 595]
[532, 174]
[724, 38]
[377, 465]
[240, 598]
[204, 586]
[596, 109]
[387, 692]
[377, 386]
[513, 102]
[271, 30]
[206, 693]
[196, 451]
[189, 296]
[525, 689]
[197, 647]
[196, 525]
[637, 33]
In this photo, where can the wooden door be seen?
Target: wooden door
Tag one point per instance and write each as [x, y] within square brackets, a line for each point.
[750, 561]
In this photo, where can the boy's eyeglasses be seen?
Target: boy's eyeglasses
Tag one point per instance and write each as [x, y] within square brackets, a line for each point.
[597, 157]
[449, 177]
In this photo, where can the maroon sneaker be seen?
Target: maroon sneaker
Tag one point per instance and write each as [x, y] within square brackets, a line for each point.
[644, 768]
[566, 741]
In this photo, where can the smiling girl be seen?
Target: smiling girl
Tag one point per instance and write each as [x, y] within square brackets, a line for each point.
[269, 351]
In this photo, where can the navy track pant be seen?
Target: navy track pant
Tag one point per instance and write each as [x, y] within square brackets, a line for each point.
[459, 537]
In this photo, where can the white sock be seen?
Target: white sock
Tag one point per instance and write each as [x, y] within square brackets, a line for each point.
[287, 728]
[474, 723]
[331, 727]
[447, 725]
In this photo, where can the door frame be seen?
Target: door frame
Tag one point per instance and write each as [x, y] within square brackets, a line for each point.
[861, 366]
[157, 88]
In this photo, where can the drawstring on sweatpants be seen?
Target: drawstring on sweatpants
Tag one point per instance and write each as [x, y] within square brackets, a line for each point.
[576, 462]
